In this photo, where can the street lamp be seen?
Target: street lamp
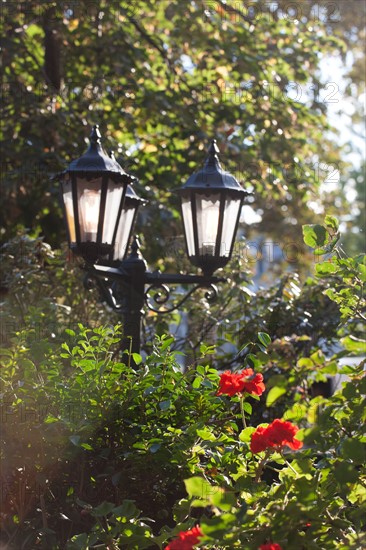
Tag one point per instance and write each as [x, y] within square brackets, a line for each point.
[211, 205]
[93, 190]
[100, 208]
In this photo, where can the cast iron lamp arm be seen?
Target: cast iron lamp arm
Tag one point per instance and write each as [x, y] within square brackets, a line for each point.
[155, 280]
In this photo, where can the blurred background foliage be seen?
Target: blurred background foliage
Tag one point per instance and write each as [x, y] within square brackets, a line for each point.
[162, 79]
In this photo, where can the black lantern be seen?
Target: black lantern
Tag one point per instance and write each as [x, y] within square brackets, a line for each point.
[93, 190]
[126, 224]
[211, 206]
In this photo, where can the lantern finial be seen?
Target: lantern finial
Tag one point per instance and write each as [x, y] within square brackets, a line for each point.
[95, 136]
[212, 159]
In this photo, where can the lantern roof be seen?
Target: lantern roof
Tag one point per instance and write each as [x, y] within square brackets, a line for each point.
[212, 177]
[95, 161]
[130, 192]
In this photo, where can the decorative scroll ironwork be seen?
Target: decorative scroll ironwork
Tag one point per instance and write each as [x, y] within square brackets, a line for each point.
[163, 292]
[212, 293]
[123, 288]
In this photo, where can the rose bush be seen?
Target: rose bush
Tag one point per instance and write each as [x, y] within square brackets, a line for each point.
[166, 441]
[98, 455]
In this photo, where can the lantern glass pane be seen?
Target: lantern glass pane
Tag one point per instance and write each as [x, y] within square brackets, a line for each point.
[113, 201]
[208, 210]
[188, 224]
[89, 193]
[124, 231]
[232, 206]
[69, 210]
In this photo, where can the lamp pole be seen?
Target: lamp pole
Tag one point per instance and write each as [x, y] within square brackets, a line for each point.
[128, 295]
[100, 208]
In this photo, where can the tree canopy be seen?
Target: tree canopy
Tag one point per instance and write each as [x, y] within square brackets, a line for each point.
[162, 79]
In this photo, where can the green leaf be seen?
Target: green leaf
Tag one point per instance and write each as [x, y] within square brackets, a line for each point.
[218, 526]
[33, 29]
[305, 362]
[50, 419]
[331, 221]
[357, 494]
[78, 542]
[136, 358]
[362, 272]
[246, 434]
[326, 268]
[150, 390]
[274, 394]
[247, 407]
[103, 509]
[201, 370]
[206, 434]
[197, 382]
[344, 472]
[222, 499]
[6, 352]
[351, 343]
[349, 391]
[264, 338]
[315, 235]
[86, 446]
[354, 450]
[165, 405]
[198, 487]
[330, 368]
[252, 361]
[126, 510]
[166, 343]
[207, 350]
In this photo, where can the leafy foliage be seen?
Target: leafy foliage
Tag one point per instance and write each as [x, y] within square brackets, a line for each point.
[104, 455]
[98, 435]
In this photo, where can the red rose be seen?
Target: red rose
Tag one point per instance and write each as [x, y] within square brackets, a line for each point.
[259, 440]
[270, 546]
[277, 435]
[238, 383]
[281, 433]
[252, 383]
[230, 384]
[186, 540]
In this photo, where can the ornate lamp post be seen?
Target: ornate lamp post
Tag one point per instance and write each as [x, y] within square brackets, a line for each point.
[100, 207]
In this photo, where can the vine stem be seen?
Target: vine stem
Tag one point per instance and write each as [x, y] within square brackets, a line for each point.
[288, 464]
[241, 400]
[259, 471]
[130, 353]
